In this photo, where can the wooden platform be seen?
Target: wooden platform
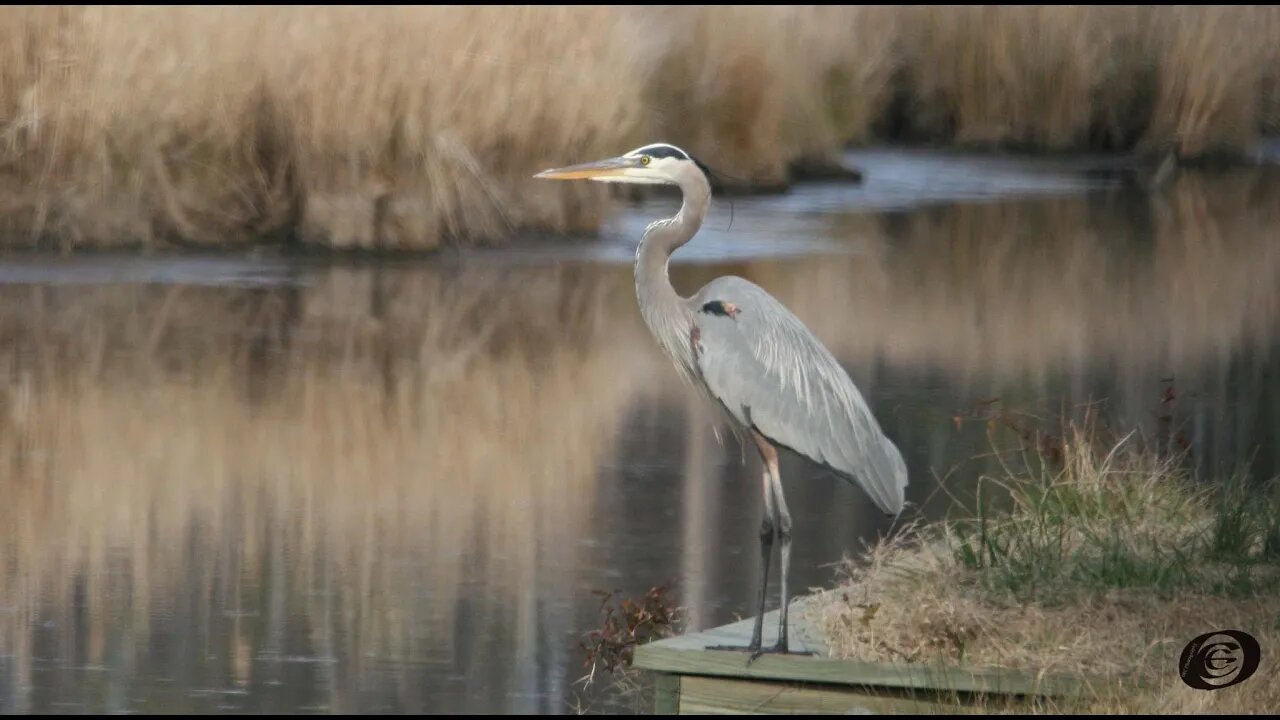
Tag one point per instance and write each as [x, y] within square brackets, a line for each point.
[694, 680]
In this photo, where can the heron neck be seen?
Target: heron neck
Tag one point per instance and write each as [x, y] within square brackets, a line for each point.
[664, 310]
[664, 237]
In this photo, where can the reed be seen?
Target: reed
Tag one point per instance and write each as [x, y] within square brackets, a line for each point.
[409, 128]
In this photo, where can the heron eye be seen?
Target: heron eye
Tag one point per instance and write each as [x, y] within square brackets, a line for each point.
[644, 159]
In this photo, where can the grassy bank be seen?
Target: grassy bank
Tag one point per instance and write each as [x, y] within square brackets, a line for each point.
[1086, 556]
[413, 127]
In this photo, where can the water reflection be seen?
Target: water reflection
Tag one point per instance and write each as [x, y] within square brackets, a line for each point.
[303, 481]
[391, 487]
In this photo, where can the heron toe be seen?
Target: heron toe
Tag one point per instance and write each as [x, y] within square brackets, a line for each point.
[779, 649]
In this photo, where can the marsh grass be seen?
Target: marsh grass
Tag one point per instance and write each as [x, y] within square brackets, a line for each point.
[1105, 523]
[412, 127]
[1190, 79]
[1097, 557]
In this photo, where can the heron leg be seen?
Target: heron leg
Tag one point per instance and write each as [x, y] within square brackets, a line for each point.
[767, 529]
[782, 520]
[784, 534]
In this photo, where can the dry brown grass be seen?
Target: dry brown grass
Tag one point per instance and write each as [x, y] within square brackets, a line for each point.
[377, 127]
[216, 125]
[1104, 567]
[1211, 64]
[1020, 75]
[1064, 78]
[1270, 102]
[385, 127]
[754, 88]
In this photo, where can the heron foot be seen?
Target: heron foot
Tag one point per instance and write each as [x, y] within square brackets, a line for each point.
[756, 651]
[779, 649]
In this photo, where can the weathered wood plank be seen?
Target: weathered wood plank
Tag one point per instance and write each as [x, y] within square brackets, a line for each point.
[666, 694]
[687, 655]
[845, 672]
[712, 696]
[804, 636]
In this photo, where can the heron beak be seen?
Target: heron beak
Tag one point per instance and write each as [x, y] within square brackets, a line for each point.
[612, 167]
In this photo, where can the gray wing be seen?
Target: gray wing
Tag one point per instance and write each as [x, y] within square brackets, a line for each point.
[771, 373]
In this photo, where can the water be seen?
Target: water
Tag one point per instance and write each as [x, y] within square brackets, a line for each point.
[285, 485]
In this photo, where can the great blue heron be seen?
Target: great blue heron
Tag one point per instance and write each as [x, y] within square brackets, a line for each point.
[754, 359]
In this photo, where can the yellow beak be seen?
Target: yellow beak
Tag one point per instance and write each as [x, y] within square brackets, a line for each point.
[612, 167]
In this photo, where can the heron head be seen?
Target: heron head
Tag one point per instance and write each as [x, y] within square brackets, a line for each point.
[657, 164]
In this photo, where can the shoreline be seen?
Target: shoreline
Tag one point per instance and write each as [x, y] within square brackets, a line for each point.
[1123, 171]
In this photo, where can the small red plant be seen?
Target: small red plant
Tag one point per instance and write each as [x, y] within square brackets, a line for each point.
[627, 623]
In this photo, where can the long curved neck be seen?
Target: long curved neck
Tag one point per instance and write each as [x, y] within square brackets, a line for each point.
[665, 312]
[664, 237]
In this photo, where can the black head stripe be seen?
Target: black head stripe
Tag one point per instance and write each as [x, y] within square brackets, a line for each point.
[664, 151]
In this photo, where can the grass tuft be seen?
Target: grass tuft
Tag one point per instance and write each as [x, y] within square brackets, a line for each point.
[1102, 559]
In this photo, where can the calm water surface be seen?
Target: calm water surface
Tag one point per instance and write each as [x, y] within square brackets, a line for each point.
[271, 485]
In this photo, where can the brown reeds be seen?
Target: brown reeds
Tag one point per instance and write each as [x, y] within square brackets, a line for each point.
[406, 128]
